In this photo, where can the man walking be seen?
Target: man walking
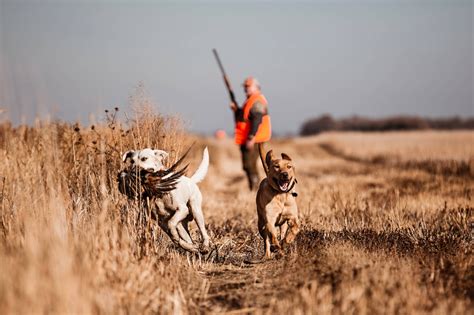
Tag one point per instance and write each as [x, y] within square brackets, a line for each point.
[252, 126]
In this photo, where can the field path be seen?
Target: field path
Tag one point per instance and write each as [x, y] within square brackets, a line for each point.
[238, 282]
[344, 244]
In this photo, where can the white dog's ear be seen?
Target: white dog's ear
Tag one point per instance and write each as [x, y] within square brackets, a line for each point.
[127, 155]
[162, 155]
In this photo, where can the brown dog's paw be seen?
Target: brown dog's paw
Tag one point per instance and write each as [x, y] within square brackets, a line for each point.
[280, 254]
[275, 248]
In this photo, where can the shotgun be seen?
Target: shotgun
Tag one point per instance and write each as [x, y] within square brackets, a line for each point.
[226, 80]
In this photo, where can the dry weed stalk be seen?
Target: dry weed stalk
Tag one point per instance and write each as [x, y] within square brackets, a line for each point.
[69, 242]
[376, 237]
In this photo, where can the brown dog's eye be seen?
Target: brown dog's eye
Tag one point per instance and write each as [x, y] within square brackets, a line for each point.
[276, 167]
[288, 166]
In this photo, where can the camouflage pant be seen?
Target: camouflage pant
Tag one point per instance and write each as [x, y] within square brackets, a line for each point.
[249, 163]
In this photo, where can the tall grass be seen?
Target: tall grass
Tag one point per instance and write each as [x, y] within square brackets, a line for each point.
[69, 243]
[376, 237]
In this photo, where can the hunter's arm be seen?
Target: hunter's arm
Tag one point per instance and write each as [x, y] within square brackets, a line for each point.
[255, 117]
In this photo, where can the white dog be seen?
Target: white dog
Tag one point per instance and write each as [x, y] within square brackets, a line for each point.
[179, 206]
[148, 159]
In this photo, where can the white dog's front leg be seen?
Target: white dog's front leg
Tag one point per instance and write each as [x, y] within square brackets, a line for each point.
[173, 223]
[196, 208]
[183, 232]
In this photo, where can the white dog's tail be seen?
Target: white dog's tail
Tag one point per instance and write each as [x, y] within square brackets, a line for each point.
[202, 169]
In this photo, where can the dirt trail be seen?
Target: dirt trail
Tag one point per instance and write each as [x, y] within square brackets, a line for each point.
[331, 249]
[238, 283]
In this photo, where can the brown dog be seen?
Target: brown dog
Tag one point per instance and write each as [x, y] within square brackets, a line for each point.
[276, 202]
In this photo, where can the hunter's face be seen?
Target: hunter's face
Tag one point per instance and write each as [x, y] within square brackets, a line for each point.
[250, 88]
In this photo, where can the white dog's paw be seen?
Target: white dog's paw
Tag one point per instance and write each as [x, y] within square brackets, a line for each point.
[205, 247]
[211, 255]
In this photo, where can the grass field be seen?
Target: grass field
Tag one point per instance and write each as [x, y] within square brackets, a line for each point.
[387, 226]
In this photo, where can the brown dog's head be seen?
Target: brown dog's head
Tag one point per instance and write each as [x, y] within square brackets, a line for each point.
[281, 172]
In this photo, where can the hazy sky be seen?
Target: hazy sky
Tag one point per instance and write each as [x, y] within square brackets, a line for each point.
[373, 58]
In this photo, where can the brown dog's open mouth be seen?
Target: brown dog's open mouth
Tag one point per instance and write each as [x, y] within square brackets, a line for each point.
[284, 184]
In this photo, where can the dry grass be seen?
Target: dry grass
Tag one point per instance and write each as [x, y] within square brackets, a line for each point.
[405, 146]
[450, 152]
[376, 237]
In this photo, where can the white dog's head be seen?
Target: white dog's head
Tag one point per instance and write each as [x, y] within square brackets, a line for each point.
[147, 159]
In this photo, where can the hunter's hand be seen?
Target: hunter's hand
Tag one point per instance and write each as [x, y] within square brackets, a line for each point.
[233, 106]
[250, 144]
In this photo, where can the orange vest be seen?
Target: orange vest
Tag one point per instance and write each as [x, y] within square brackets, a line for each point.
[242, 128]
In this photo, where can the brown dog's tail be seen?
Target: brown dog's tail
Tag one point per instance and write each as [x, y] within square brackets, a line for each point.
[261, 151]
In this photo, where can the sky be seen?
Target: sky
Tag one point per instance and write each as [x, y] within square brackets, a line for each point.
[71, 59]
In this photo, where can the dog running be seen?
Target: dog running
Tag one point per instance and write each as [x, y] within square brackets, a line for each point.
[175, 198]
[276, 202]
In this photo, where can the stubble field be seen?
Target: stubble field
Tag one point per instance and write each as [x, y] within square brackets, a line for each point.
[387, 226]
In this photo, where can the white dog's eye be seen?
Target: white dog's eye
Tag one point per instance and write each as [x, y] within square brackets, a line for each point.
[143, 159]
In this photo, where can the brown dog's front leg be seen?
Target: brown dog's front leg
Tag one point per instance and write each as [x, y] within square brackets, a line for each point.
[271, 233]
[293, 229]
[283, 230]
[266, 238]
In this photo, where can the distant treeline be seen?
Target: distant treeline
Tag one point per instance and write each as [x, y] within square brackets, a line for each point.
[356, 123]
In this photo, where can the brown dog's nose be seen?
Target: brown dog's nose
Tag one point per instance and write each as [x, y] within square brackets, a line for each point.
[284, 174]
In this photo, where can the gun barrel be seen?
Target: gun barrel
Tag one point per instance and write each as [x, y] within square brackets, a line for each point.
[226, 80]
[219, 61]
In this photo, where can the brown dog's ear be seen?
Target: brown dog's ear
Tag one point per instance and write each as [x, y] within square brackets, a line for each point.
[285, 156]
[269, 158]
